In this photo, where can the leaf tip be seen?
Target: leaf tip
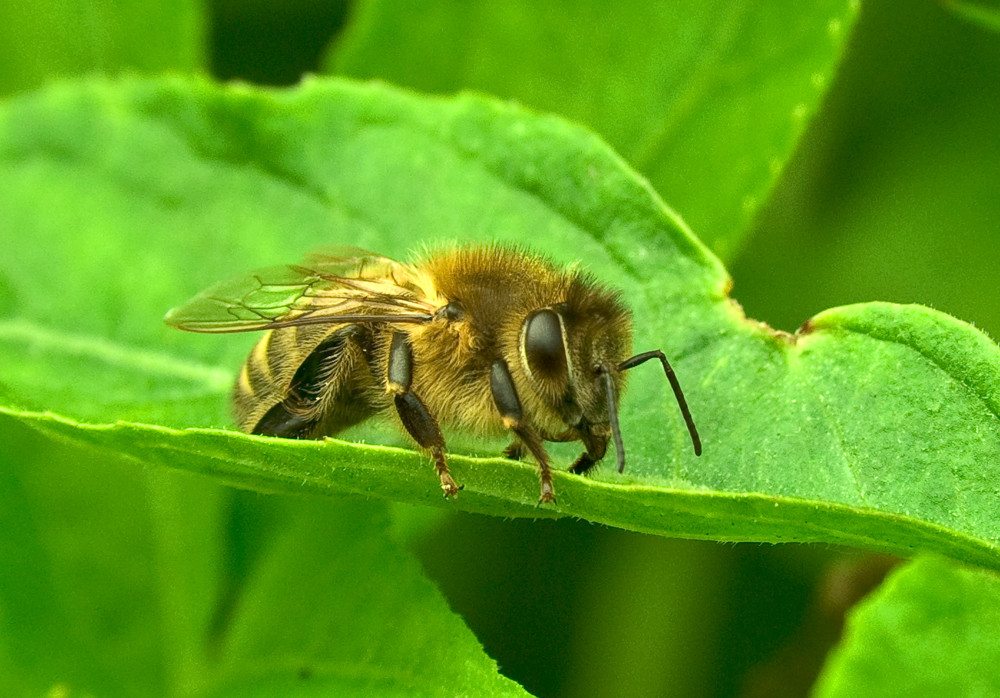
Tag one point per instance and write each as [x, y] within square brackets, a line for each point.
[173, 318]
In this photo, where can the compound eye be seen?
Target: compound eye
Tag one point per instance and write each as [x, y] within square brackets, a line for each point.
[543, 344]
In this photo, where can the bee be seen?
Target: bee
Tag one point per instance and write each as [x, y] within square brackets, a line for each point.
[492, 339]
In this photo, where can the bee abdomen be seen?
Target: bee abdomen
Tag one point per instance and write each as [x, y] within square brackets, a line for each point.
[320, 394]
[264, 377]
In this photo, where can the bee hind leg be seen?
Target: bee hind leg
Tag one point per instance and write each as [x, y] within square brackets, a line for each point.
[325, 395]
[416, 418]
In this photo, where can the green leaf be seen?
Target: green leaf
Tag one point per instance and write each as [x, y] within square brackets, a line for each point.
[875, 426]
[57, 39]
[347, 612]
[118, 581]
[930, 630]
[108, 574]
[707, 100]
[984, 14]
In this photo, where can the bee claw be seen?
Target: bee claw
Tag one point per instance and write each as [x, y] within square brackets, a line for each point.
[451, 489]
[515, 451]
[548, 495]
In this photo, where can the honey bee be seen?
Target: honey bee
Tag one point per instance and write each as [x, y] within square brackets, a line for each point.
[491, 339]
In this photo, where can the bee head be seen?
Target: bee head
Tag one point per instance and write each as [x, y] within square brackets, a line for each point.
[571, 352]
[576, 353]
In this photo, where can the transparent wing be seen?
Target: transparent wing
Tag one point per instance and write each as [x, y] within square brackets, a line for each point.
[334, 285]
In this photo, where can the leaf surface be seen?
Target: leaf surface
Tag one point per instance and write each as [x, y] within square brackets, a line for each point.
[50, 39]
[874, 426]
[120, 581]
[706, 99]
[931, 629]
[985, 14]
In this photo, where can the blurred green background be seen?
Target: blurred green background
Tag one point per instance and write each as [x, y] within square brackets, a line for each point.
[893, 194]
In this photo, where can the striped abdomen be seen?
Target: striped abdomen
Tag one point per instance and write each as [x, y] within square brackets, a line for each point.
[306, 382]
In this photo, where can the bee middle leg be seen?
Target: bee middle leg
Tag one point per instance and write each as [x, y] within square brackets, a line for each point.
[416, 418]
[516, 450]
[507, 402]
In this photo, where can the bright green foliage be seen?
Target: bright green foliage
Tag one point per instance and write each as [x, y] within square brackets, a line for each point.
[985, 14]
[876, 426]
[44, 39]
[930, 630]
[706, 99]
[119, 581]
[336, 605]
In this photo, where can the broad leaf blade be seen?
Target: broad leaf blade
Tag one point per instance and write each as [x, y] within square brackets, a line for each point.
[116, 580]
[40, 41]
[334, 607]
[109, 575]
[985, 14]
[874, 426]
[931, 629]
[706, 99]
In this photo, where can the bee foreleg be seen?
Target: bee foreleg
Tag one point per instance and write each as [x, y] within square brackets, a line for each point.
[416, 418]
[530, 439]
[507, 402]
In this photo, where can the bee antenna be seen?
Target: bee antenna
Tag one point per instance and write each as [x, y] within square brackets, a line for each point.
[611, 392]
[674, 383]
